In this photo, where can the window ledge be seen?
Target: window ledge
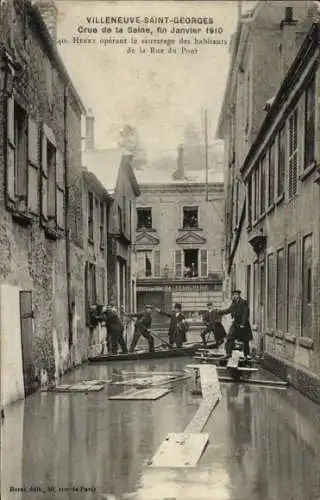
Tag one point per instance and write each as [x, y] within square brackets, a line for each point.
[291, 339]
[149, 229]
[279, 199]
[22, 218]
[279, 335]
[270, 332]
[306, 342]
[308, 171]
[190, 229]
[270, 208]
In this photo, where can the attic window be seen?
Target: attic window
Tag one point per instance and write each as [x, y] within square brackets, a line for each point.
[190, 217]
[144, 218]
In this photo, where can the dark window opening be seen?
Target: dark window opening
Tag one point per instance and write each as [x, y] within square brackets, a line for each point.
[102, 222]
[281, 161]
[51, 163]
[263, 185]
[271, 177]
[309, 125]
[191, 263]
[120, 219]
[148, 265]
[21, 161]
[249, 201]
[90, 216]
[144, 218]
[190, 217]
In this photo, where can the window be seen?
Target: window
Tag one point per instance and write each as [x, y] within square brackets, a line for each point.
[281, 161]
[293, 153]
[156, 258]
[309, 125]
[144, 218]
[271, 173]
[144, 263]
[21, 163]
[270, 291]
[178, 263]
[248, 284]
[102, 223]
[256, 193]
[125, 213]
[90, 216]
[263, 185]
[291, 288]
[280, 295]
[101, 283]
[307, 287]
[249, 201]
[90, 284]
[190, 217]
[120, 219]
[51, 165]
[262, 295]
[190, 263]
[255, 292]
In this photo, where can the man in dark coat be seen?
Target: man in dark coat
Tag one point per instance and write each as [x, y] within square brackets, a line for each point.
[114, 330]
[142, 327]
[212, 320]
[177, 326]
[240, 328]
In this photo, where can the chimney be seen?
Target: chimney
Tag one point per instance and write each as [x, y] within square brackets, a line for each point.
[49, 14]
[288, 47]
[89, 133]
[179, 173]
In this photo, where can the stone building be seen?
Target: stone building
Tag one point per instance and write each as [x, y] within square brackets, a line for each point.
[96, 206]
[179, 241]
[114, 171]
[272, 196]
[41, 304]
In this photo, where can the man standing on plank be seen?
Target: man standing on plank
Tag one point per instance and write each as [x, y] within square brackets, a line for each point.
[212, 320]
[142, 327]
[240, 328]
[178, 325]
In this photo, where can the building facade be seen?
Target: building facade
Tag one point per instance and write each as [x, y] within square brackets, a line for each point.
[272, 232]
[178, 243]
[42, 326]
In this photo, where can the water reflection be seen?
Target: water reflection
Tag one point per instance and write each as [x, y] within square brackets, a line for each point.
[264, 443]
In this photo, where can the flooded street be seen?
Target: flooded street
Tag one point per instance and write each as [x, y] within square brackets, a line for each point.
[264, 443]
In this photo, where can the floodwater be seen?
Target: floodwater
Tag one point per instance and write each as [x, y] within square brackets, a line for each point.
[264, 443]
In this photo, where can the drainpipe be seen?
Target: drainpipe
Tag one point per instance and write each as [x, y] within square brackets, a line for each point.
[67, 230]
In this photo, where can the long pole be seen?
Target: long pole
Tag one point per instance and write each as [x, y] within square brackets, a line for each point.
[206, 152]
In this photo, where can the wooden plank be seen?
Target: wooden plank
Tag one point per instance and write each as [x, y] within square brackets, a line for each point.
[209, 382]
[240, 368]
[145, 380]
[202, 415]
[180, 450]
[142, 395]
[234, 360]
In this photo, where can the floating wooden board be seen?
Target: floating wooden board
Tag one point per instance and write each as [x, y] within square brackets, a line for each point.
[234, 360]
[92, 386]
[152, 380]
[142, 395]
[202, 415]
[180, 450]
[209, 382]
[240, 368]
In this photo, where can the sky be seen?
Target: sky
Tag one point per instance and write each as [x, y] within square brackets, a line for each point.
[157, 94]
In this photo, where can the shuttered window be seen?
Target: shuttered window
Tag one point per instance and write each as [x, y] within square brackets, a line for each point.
[263, 164]
[156, 263]
[100, 285]
[280, 291]
[102, 225]
[10, 150]
[291, 288]
[293, 153]
[255, 292]
[249, 200]
[178, 263]
[281, 161]
[256, 193]
[90, 215]
[309, 124]
[33, 167]
[44, 178]
[270, 291]
[141, 264]
[60, 184]
[271, 173]
[204, 263]
[307, 287]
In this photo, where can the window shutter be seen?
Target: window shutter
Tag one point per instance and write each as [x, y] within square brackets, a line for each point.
[204, 263]
[94, 284]
[10, 151]
[60, 189]
[293, 153]
[33, 167]
[44, 177]
[86, 290]
[178, 263]
[157, 263]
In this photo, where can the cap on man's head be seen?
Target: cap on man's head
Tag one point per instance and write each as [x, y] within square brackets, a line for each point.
[236, 290]
[148, 306]
[177, 305]
[209, 304]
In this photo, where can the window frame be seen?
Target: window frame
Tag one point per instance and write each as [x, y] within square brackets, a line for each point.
[143, 227]
[190, 207]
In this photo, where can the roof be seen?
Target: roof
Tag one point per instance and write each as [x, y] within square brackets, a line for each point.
[310, 44]
[151, 176]
[105, 164]
[95, 184]
[42, 31]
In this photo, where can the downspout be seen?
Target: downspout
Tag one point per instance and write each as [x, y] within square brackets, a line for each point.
[66, 212]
